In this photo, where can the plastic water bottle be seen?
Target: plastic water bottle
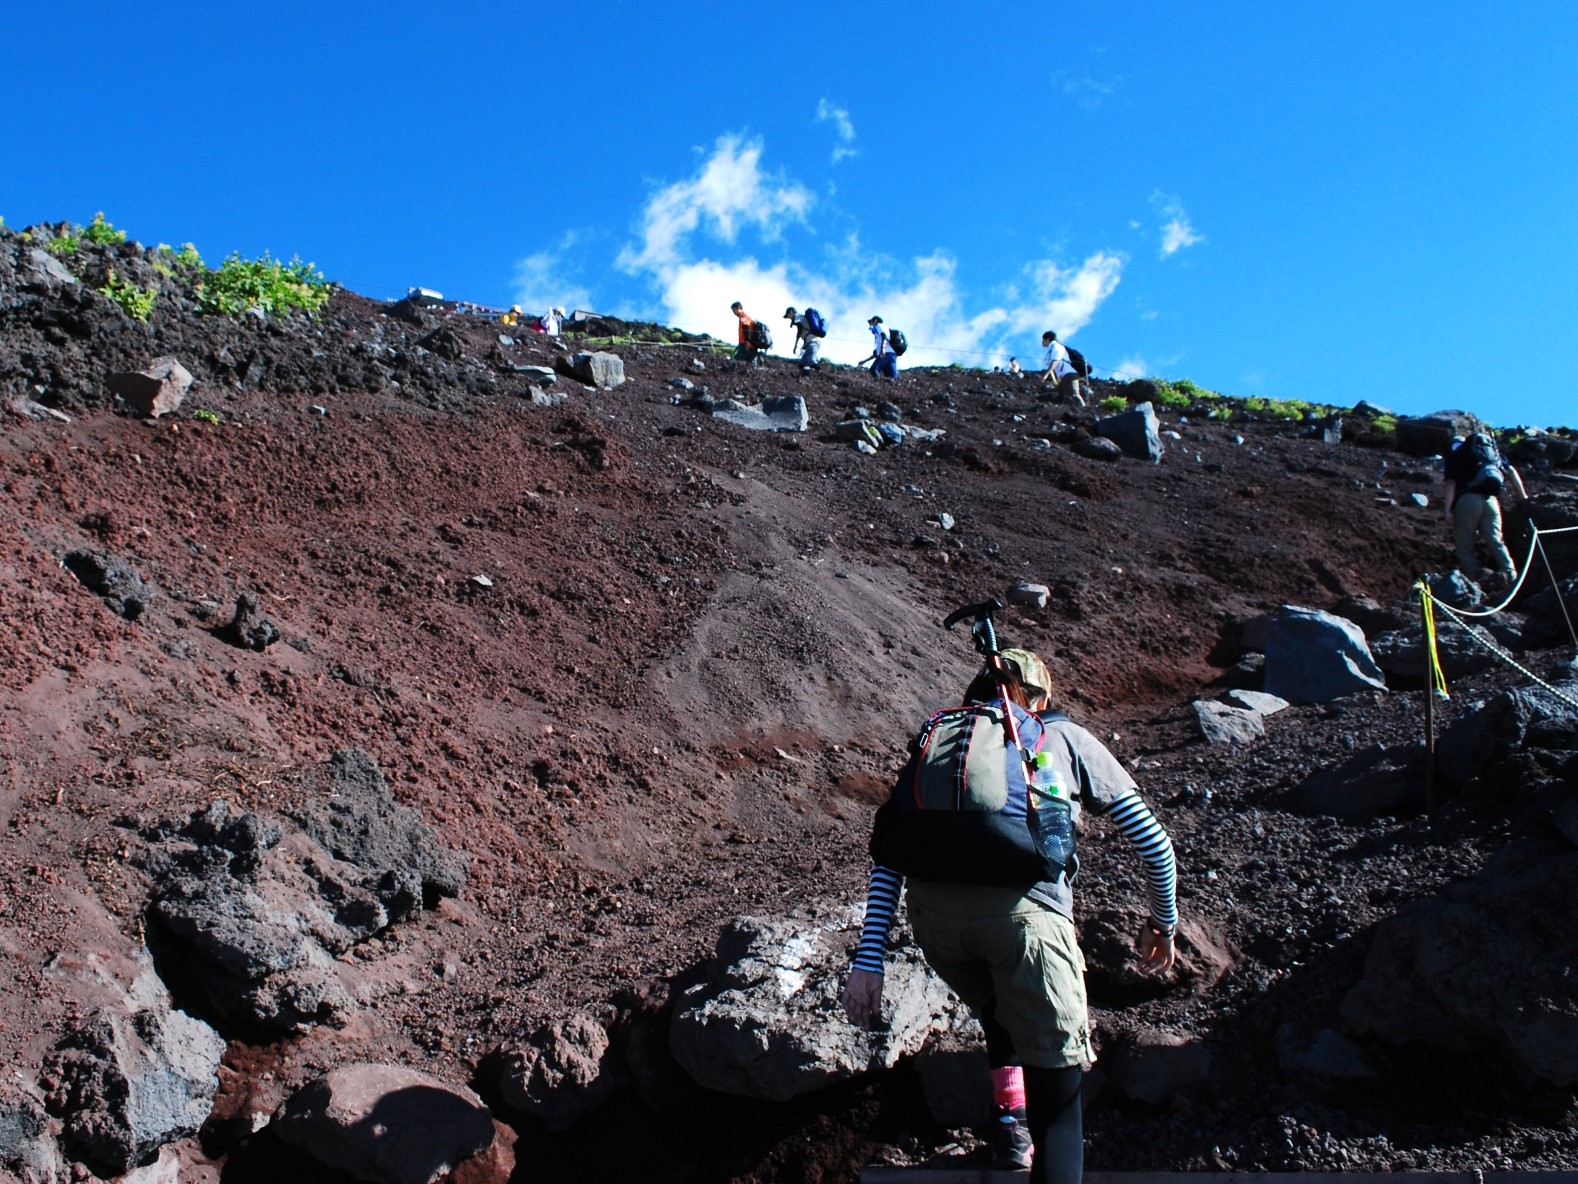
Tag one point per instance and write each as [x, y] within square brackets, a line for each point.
[1051, 812]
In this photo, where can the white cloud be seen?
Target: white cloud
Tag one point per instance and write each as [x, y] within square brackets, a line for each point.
[1132, 366]
[839, 118]
[1177, 232]
[1088, 93]
[696, 280]
[730, 191]
[541, 282]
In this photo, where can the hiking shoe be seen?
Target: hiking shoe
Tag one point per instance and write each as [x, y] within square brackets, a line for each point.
[1009, 1142]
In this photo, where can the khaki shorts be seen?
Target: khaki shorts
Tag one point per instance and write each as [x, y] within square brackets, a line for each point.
[997, 947]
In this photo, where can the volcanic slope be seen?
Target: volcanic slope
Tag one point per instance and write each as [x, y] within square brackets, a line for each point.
[650, 671]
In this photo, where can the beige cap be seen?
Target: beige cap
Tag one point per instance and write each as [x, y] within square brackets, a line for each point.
[1030, 670]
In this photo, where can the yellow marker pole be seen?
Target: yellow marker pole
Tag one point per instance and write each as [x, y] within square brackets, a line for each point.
[1427, 636]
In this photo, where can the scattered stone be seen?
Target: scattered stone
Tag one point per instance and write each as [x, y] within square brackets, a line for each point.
[850, 430]
[889, 412]
[766, 1024]
[249, 628]
[924, 435]
[1422, 501]
[24, 408]
[46, 271]
[1222, 724]
[682, 384]
[945, 520]
[27, 1151]
[1327, 1055]
[506, 340]
[698, 365]
[386, 1124]
[1097, 448]
[1135, 431]
[1029, 595]
[1314, 657]
[566, 1070]
[126, 592]
[480, 581]
[1257, 701]
[542, 398]
[126, 1084]
[865, 448]
[155, 391]
[778, 413]
[543, 376]
[317, 409]
[1152, 1066]
[604, 371]
[892, 434]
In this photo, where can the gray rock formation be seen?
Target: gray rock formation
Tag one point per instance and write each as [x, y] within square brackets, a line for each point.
[27, 1151]
[1221, 723]
[1135, 431]
[1097, 448]
[156, 391]
[767, 1024]
[1401, 652]
[1527, 717]
[126, 1084]
[567, 1069]
[1314, 657]
[602, 370]
[126, 592]
[778, 413]
[386, 1124]
[1482, 969]
[1431, 435]
[1153, 1066]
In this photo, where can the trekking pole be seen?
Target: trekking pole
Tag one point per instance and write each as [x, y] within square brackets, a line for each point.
[985, 635]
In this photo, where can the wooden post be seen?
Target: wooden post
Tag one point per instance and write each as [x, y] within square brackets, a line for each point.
[1430, 702]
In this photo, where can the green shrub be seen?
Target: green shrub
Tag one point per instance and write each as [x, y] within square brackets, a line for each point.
[135, 302]
[1113, 403]
[239, 284]
[101, 233]
[207, 416]
[63, 244]
[1384, 423]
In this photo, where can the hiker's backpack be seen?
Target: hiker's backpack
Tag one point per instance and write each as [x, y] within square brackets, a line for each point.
[1482, 461]
[814, 323]
[970, 809]
[896, 340]
[1077, 360]
[761, 336]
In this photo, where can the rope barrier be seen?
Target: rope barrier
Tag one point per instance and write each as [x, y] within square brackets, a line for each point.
[1497, 652]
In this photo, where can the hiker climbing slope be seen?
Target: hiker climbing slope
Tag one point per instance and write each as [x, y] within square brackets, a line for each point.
[1001, 935]
[1475, 472]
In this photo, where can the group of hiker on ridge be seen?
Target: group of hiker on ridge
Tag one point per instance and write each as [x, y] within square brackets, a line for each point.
[1065, 367]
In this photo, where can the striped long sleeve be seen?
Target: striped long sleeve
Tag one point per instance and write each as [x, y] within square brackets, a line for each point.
[1134, 818]
[882, 903]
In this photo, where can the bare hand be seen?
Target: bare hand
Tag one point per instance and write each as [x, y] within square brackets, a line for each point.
[863, 997]
[1158, 953]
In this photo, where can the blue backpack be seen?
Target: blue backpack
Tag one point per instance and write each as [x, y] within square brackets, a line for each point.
[814, 323]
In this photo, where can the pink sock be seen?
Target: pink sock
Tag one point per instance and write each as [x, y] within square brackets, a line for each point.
[1008, 1087]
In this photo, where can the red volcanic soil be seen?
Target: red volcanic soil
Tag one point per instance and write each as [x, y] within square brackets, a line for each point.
[685, 678]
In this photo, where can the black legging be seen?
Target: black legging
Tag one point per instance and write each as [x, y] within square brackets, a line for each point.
[1057, 1126]
[1052, 1109]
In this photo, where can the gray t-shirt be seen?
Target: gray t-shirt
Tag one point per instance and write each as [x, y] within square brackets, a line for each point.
[1095, 781]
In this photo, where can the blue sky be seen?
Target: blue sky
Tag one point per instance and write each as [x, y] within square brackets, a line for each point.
[1332, 201]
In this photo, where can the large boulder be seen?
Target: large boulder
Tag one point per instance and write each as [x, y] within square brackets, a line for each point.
[603, 370]
[1135, 431]
[253, 917]
[1483, 970]
[1431, 435]
[27, 1151]
[1152, 1066]
[126, 1084]
[1549, 616]
[1525, 717]
[386, 1124]
[153, 392]
[1401, 652]
[1314, 657]
[777, 413]
[767, 1022]
[122, 589]
[567, 1069]
[1221, 723]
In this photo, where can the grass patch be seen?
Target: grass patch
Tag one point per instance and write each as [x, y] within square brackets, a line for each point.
[101, 234]
[1384, 423]
[1113, 403]
[208, 417]
[238, 284]
[135, 302]
[63, 245]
